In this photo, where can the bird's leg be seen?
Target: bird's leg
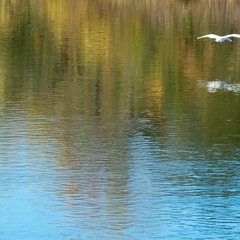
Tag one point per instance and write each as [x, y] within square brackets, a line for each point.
[214, 42]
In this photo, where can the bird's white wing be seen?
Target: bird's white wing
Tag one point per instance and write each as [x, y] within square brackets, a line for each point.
[209, 36]
[233, 35]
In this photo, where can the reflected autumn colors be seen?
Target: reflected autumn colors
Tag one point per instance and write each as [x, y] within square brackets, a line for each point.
[117, 120]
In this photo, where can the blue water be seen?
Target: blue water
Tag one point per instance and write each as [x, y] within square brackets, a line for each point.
[148, 190]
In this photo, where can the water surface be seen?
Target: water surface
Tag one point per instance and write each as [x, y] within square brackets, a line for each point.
[116, 123]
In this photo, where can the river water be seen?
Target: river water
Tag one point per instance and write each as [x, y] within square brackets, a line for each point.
[116, 123]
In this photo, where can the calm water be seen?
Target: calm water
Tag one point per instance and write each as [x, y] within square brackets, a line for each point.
[116, 123]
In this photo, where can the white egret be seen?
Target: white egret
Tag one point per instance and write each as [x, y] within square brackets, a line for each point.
[219, 39]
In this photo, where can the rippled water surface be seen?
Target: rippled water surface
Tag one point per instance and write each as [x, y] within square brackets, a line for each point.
[116, 123]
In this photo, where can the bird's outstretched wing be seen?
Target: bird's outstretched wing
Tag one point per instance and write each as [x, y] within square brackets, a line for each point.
[233, 35]
[211, 36]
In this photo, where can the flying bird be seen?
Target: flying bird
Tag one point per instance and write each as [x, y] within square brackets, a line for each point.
[219, 39]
